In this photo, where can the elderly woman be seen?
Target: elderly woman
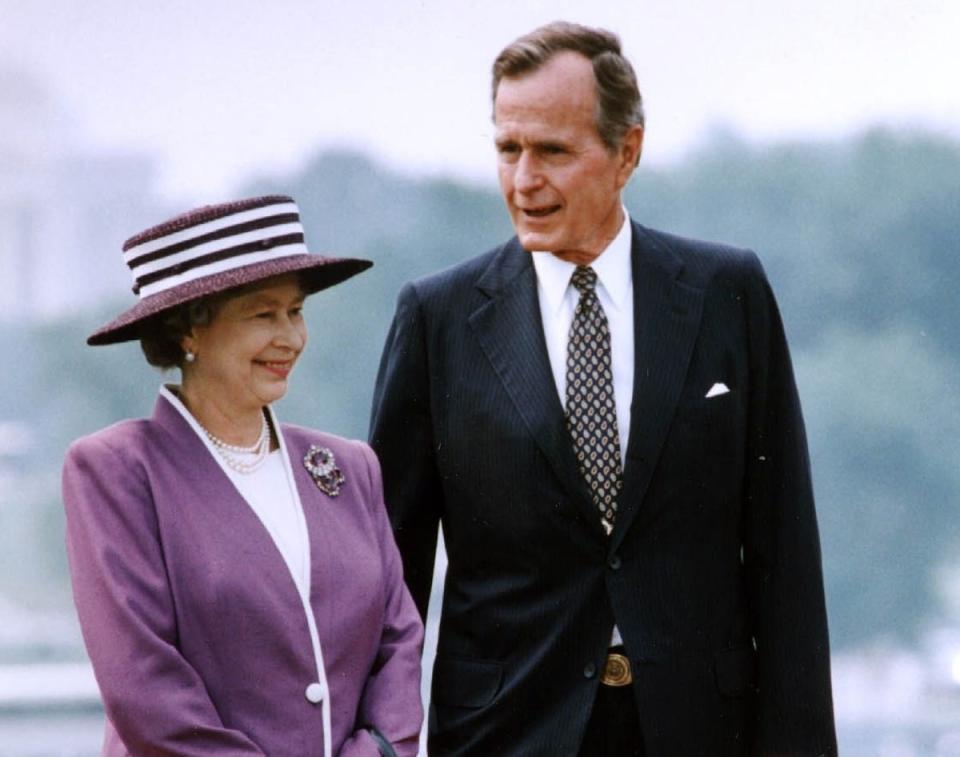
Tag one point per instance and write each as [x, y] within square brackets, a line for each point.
[236, 579]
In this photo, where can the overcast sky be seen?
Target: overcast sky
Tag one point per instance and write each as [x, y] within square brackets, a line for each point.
[222, 91]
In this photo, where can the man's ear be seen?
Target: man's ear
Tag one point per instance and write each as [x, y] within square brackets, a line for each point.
[631, 146]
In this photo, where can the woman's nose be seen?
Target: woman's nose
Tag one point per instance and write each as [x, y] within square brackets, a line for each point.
[292, 333]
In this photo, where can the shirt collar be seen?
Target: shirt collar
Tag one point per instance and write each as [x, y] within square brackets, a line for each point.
[614, 271]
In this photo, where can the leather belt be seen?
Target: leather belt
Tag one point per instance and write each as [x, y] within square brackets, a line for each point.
[616, 670]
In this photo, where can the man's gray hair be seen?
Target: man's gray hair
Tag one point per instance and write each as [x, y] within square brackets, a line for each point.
[619, 102]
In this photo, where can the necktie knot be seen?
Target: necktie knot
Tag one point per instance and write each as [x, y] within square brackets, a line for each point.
[584, 279]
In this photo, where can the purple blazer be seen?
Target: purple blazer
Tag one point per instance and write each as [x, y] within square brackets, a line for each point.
[197, 633]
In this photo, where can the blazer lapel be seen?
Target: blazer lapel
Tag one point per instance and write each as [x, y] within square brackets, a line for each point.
[210, 487]
[666, 322]
[510, 331]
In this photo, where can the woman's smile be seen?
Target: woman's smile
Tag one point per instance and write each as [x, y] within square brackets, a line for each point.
[280, 368]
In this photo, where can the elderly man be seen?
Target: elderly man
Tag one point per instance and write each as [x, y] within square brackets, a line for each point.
[603, 417]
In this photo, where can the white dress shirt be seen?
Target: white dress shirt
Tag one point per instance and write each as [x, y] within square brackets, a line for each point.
[558, 301]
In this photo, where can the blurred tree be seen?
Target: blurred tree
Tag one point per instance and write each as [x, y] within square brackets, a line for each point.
[883, 417]
[858, 238]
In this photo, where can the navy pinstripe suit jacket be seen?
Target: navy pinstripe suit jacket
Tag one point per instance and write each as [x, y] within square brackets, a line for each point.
[712, 572]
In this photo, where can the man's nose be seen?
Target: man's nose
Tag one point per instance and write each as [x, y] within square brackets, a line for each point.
[528, 176]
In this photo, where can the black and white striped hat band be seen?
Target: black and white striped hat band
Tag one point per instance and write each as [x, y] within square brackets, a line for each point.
[257, 235]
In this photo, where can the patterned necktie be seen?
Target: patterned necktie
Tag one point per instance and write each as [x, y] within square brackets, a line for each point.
[591, 406]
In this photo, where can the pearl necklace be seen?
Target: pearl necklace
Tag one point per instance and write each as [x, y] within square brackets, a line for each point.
[237, 457]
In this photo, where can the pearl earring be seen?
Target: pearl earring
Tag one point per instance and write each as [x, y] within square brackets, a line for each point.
[189, 356]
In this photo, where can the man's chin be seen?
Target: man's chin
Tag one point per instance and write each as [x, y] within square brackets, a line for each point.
[534, 242]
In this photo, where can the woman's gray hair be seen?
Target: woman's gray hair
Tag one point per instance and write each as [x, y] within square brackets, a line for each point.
[619, 102]
[160, 337]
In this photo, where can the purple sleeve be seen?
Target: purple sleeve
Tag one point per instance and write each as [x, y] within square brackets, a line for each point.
[155, 700]
[391, 697]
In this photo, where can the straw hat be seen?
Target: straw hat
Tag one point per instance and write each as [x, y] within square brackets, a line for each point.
[216, 248]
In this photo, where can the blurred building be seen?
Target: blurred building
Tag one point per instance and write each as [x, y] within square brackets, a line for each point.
[64, 211]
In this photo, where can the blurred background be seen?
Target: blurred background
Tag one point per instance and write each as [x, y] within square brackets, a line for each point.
[824, 134]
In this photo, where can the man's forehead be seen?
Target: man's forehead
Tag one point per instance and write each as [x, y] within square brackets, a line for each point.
[532, 131]
[565, 82]
[544, 115]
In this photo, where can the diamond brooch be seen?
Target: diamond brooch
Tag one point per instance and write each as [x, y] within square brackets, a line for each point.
[322, 467]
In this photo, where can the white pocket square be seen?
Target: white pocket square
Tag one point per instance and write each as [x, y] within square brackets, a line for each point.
[716, 390]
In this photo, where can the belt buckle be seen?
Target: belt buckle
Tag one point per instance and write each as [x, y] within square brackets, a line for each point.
[616, 670]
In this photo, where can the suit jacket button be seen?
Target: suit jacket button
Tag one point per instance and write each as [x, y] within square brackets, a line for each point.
[314, 693]
[589, 670]
[614, 562]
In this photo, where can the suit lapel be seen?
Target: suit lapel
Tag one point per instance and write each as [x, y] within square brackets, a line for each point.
[666, 322]
[510, 331]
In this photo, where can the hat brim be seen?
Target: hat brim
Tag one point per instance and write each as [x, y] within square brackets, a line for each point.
[316, 273]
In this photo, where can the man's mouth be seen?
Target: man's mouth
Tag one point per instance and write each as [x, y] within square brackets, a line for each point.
[540, 212]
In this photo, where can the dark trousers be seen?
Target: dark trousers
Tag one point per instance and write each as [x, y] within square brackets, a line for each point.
[614, 726]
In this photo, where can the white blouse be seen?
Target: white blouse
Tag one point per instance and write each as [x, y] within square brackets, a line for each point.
[271, 492]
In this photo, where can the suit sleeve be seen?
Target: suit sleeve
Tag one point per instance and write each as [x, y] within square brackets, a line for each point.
[401, 433]
[782, 549]
[155, 700]
[390, 702]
